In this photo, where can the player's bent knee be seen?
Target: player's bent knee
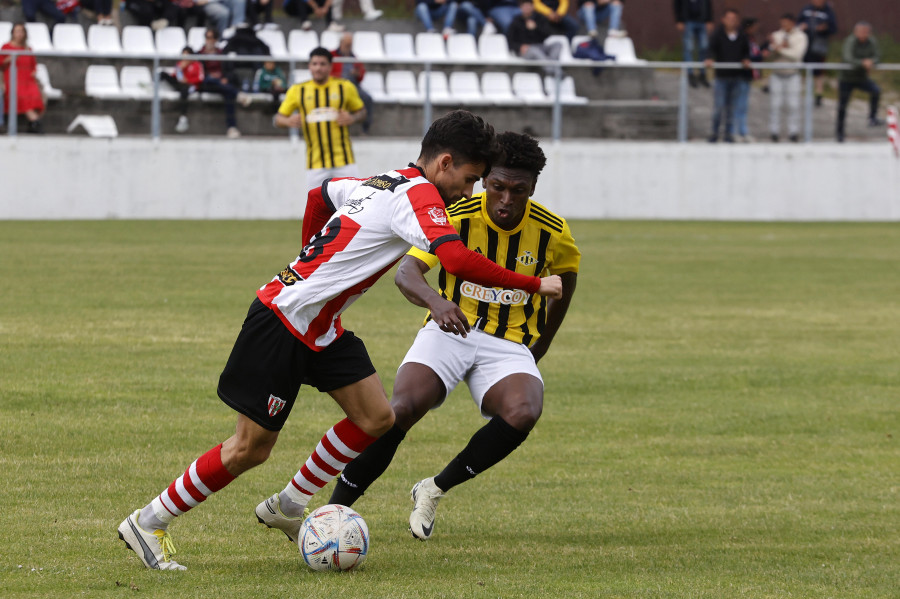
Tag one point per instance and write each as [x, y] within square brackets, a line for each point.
[522, 416]
[378, 422]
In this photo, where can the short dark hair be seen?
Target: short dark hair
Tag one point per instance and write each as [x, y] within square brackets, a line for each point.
[468, 138]
[521, 151]
[187, 50]
[320, 51]
[789, 16]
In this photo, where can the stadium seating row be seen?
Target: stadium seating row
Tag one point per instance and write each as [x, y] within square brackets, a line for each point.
[463, 88]
[368, 45]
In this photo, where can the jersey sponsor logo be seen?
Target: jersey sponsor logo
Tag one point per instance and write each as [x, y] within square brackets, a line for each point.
[508, 297]
[385, 183]
[275, 405]
[526, 258]
[438, 216]
[288, 277]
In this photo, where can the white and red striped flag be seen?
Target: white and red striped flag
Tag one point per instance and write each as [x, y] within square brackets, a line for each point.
[893, 133]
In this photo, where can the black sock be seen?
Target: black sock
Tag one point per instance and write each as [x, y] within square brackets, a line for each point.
[367, 467]
[490, 444]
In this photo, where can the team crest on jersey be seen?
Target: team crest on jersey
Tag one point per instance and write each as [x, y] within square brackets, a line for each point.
[438, 215]
[385, 183]
[275, 405]
[526, 258]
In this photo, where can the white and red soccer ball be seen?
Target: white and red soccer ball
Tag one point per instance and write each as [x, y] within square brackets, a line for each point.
[333, 537]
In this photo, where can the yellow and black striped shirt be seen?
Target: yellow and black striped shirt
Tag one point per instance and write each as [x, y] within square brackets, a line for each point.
[541, 244]
[327, 143]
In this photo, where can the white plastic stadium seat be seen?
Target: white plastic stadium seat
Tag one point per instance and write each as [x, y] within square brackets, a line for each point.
[498, 89]
[493, 47]
[399, 46]
[103, 39]
[373, 83]
[170, 40]
[330, 40]
[565, 50]
[102, 81]
[461, 46]
[368, 45]
[38, 36]
[440, 91]
[69, 37]
[301, 75]
[567, 93]
[196, 38]
[301, 43]
[430, 46]
[465, 88]
[43, 77]
[274, 39]
[622, 48]
[5, 31]
[137, 39]
[529, 88]
[401, 87]
[137, 83]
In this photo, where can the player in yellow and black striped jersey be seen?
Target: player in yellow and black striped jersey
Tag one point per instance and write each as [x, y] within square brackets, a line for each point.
[488, 337]
[323, 108]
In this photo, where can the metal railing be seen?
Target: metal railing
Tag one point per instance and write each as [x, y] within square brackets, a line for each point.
[557, 67]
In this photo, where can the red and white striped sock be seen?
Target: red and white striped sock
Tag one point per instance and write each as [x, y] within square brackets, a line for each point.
[343, 442]
[202, 478]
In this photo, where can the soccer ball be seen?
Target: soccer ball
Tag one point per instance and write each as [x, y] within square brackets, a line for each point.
[333, 537]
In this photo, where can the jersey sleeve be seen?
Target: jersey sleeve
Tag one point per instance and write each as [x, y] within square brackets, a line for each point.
[430, 259]
[291, 102]
[422, 220]
[566, 257]
[352, 101]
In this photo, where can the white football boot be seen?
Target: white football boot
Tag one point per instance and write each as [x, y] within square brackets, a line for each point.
[269, 513]
[425, 494]
[154, 548]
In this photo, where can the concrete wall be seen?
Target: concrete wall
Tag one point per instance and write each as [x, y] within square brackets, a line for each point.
[133, 178]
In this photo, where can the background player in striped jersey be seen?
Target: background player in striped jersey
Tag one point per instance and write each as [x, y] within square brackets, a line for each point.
[323, 108]
[491, 338]
[293, 334]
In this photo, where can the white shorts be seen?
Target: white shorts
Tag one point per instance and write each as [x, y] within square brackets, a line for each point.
[479, 359]
[316, 176]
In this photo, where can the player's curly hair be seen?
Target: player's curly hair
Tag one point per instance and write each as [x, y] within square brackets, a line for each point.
[521, 151]
[468, 138]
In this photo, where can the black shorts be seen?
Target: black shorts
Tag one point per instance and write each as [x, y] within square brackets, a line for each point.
[268, 364]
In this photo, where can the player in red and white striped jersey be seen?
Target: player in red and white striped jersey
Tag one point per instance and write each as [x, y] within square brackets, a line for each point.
[355, 230]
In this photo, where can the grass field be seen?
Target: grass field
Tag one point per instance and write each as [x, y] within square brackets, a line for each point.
[721, 420]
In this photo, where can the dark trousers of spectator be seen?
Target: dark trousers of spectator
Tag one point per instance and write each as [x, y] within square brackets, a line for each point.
[695, 32]
[101, 7]
[210, 85]
[303, 11]
[255, 9]
[567, 26]
[726, 93]
[182, 88]
[147, 11]
[47, 7]
[846, 89]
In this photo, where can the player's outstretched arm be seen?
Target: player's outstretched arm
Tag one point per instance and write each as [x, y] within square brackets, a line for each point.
[475, 268]
[410, 279]
[556, 312]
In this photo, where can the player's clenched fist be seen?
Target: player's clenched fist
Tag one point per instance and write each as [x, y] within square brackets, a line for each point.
[551, 287]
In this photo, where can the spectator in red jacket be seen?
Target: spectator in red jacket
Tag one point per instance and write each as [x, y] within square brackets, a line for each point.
[354, 73]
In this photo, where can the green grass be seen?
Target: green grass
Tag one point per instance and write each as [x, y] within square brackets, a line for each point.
[721, 420]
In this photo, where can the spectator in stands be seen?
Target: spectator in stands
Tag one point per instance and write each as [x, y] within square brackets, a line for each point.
[594, 12]
[306, 10]
[270, 79]
[557, 12]
[217, 12]
[156, 14]
[819, 22]
[219, 80]
[28, 91]
[500, 13]
[749, 26]
[182, 10]
[528, 35]
[354, 73]
[428, 11]
[788, 44]
[861, 51]
[728, 44]
[187, 79]
[48, 8]
[694, 20]
[370, 13]
[255, 8]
